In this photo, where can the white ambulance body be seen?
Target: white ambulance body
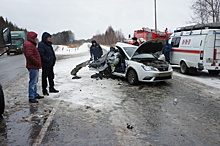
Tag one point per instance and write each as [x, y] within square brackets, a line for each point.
[196, 49]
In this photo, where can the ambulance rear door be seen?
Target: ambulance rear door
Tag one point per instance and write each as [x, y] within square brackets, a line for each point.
[212, 51]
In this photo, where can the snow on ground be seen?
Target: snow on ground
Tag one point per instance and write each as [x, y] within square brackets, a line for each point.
[84, 91]
[207, 80]
[65, 50]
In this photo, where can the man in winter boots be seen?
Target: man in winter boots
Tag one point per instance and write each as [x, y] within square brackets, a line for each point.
[48, 59]
[95, 50]
[33, 64]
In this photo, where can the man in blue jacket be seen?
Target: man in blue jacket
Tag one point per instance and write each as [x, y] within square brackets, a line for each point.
[95, 50]
[48, 59]
[166, 51]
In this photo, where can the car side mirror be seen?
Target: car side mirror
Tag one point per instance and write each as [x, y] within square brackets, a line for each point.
[6, 35]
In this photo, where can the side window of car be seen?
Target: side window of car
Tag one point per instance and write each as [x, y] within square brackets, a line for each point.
[175, 42]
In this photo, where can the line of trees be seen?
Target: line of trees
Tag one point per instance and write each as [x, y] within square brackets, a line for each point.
[63, 38]
[5, 23]
[206, 11]
[110, 37]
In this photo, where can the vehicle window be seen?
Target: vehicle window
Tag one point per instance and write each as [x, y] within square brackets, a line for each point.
[16, 41]
[144, 56]
[130, 50]
[175, 42]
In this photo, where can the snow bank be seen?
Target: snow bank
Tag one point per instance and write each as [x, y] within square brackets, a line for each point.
[65, 50]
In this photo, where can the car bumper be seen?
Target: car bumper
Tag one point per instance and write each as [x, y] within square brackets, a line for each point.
[156, 76]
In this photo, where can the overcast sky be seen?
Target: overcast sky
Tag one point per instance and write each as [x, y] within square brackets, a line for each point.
[88, 17]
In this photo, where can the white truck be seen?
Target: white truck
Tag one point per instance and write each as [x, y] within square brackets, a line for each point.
[196, 47]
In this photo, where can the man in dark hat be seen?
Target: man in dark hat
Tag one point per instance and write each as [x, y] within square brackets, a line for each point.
[95, 50]
[135, 42]
[48, 59]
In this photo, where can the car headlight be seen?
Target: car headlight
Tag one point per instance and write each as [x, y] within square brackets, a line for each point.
[148, 68]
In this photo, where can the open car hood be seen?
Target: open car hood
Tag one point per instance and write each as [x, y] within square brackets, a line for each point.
[151, 47]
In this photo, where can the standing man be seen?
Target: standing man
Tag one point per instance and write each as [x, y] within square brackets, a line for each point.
[48, 59]
[33, 64]
[166, 51]
[135, 42]
[96, 50]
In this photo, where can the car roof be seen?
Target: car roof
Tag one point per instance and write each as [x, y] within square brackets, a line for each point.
[120, 44]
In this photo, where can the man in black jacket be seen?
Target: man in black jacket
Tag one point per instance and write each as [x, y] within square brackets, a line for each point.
[95, 50]
[135, 42]
[48, 59]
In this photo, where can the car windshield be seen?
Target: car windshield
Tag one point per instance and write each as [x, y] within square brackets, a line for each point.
[144, 56]
[130, 50]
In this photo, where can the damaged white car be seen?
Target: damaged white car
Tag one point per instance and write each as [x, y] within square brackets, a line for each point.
[137, 64]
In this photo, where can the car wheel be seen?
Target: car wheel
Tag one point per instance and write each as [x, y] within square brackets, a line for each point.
[132, 77]
[213, 72]
[2, 101]
[184, 68]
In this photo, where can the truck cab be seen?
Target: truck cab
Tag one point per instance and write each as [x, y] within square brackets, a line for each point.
[17, 38]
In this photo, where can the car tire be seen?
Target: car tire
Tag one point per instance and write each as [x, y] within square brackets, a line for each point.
[132, 77]
[184, 68]
[8, 53]
[213, 72]
[2, 101]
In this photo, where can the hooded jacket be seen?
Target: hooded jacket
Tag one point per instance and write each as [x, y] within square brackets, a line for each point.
[96, 49]
[47, 54]
[33, 59]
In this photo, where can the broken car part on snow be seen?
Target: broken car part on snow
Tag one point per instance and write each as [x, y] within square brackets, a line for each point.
[77, 68]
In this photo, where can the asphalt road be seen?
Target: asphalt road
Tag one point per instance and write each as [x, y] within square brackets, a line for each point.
[149, 108]
[11, 67]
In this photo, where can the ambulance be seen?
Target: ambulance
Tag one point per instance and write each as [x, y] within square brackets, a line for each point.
[196, 47]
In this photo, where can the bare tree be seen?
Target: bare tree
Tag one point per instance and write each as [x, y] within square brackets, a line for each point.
[110, 37]
[63, 38]
[206, 11]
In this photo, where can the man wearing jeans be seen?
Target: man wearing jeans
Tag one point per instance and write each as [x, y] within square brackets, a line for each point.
[33, 64]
